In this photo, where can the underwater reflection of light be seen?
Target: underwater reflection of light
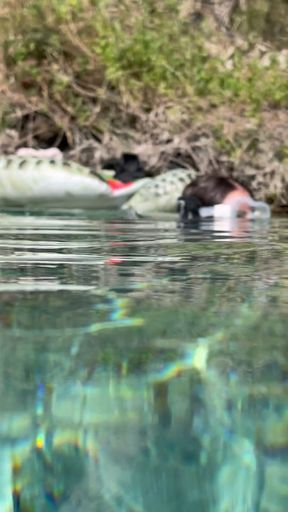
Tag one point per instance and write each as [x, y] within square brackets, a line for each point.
[194, 357]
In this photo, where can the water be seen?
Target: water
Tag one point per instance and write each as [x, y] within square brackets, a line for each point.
[143, 366]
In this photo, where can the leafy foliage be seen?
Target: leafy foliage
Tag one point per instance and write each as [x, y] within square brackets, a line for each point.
[86, 56]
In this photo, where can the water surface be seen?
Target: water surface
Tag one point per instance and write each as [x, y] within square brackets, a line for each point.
[143, 366]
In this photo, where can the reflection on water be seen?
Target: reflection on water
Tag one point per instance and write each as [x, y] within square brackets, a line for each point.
[143, 366]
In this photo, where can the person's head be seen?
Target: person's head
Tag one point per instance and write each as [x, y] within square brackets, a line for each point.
[209, 191]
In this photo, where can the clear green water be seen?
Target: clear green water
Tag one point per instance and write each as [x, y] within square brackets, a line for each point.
[143, 367]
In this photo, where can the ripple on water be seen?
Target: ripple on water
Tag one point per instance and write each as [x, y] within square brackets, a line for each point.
[143, 366]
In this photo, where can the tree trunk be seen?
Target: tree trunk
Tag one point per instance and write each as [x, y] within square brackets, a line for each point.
[223, 10]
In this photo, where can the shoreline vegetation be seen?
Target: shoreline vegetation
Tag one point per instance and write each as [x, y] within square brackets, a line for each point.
[176, 82]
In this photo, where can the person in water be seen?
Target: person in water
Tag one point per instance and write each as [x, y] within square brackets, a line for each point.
[210, 191]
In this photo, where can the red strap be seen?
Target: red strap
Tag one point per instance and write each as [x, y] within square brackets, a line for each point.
[117, 185]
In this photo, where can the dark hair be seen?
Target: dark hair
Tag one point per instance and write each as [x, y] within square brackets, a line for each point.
[127, 168]
[205, 191]
[209, 190]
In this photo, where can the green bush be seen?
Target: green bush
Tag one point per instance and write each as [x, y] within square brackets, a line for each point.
[92, 54]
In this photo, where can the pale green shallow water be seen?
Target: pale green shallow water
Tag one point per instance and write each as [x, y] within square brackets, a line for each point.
[143, 367]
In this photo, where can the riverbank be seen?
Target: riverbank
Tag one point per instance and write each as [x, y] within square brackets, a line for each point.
[252, 150]
[154, 83]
